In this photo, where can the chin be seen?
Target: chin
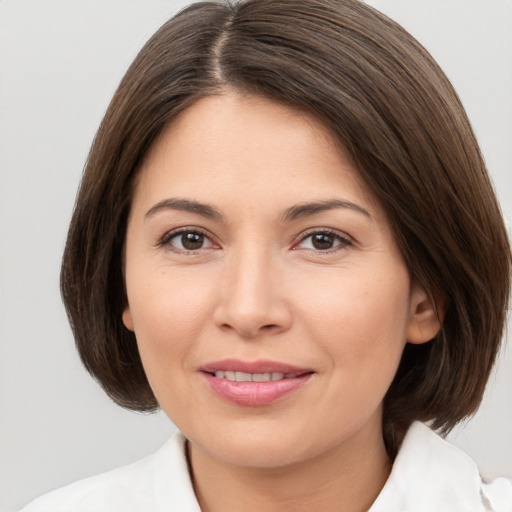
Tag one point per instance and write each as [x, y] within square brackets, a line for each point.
[251, 445]
[258, 455]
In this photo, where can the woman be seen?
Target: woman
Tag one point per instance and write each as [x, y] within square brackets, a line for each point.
[286, 238]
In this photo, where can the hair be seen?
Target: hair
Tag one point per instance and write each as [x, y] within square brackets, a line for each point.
[388, 105]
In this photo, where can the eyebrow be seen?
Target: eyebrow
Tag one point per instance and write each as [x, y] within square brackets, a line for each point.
[308, 209]
[295, 212]
[186, 205]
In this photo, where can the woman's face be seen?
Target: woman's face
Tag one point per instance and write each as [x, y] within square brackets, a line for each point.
[270, 302]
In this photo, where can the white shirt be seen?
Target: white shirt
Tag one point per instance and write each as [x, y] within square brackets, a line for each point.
[428, 475]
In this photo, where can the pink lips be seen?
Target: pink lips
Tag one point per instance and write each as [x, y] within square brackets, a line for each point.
[252, 393]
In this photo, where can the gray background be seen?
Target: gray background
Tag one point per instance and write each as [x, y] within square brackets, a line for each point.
[60, 62]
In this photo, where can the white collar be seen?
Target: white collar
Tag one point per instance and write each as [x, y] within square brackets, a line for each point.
[432, 475]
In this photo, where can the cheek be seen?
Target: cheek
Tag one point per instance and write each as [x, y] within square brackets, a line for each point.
[168, 311]
[361, 319]
[168, 314]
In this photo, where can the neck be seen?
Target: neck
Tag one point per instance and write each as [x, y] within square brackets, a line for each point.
[348, 477]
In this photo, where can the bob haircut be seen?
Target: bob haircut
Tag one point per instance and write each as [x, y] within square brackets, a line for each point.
[388, 105]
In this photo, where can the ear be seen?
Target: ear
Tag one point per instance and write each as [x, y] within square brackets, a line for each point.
[127, 318]
[425, 317]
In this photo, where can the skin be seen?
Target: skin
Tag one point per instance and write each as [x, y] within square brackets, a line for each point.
[256, 287]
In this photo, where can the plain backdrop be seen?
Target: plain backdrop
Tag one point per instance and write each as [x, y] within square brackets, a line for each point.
[60, 62]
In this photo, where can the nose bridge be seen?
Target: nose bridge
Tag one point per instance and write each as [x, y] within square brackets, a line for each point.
[252, 301]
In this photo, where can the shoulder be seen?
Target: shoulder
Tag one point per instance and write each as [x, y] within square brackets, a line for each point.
[431, 474]
[157, 483]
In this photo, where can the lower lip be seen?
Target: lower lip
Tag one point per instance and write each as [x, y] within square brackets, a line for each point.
[255, 394]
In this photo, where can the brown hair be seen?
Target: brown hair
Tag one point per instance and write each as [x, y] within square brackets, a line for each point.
[390, 107]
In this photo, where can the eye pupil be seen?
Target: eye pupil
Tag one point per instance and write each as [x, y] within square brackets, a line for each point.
[192, 241]
[322, 241]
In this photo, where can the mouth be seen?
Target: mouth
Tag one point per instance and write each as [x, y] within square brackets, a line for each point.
[234, 376]
[254, 383]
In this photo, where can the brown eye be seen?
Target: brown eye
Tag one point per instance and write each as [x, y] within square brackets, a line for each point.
[192, 241]
[324, 241]
[187, 241]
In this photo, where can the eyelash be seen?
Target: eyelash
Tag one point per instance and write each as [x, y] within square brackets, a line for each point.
[344, 241]
[165, 241]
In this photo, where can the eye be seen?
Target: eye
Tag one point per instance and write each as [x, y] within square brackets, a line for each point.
[187, 240]
[324, 241]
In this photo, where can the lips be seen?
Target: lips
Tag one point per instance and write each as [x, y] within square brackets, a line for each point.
[262, 366]
[255, 383]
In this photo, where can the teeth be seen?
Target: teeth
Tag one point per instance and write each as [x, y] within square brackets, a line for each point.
[261, 377]
[252, 377]
[243, 377]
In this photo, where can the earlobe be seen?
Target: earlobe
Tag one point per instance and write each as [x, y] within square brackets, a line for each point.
[127, 318]
[426, 316]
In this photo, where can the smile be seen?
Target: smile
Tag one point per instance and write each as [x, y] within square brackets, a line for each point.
[253, 377]
[254, 384]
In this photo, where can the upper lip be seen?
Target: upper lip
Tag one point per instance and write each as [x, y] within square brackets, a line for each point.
[261, 366]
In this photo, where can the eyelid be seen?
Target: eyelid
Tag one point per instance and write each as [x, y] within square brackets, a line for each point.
[347, 240]
[164, 240]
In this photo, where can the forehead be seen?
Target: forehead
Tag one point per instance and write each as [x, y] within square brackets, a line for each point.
[238, 145]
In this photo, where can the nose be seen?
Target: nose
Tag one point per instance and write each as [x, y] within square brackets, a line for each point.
[252, 300]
